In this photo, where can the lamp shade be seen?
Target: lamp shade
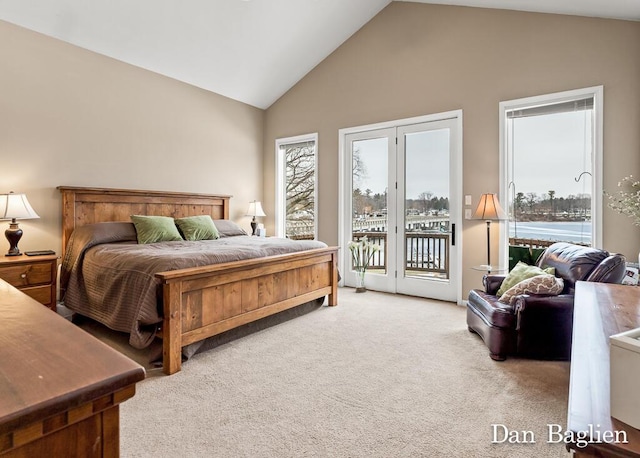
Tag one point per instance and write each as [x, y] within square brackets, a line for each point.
[255, 209]
[16, 206]
[489, 208]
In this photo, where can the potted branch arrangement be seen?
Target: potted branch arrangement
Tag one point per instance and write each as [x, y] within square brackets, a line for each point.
[362, 252]
[627, 200]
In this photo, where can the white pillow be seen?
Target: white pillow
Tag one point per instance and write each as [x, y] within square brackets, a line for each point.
[540, 284]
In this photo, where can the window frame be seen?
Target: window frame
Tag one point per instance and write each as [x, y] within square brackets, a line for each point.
[280, 198]
[597, 93]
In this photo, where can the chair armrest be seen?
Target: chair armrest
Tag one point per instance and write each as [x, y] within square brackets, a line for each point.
[492, 283]
[543, 302]
[544, 326]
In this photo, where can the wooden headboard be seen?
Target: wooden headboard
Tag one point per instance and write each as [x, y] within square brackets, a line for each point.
[82, 206]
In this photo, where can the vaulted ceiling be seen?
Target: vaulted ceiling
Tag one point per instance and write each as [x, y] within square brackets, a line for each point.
[249, 50]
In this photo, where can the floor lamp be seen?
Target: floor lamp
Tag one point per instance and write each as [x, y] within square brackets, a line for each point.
[489, 209]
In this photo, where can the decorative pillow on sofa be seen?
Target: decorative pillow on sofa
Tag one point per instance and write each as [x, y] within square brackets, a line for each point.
[150, 229]
[540, 284]
[199, 227]
[520, 272]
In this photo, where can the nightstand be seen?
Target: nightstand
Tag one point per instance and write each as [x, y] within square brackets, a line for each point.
[33, 275]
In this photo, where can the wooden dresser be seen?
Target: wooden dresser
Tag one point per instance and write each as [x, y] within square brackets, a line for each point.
[601, 310]
[60, 388]
[33, 275]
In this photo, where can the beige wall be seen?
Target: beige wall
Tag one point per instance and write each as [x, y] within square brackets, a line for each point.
[415, 59]
[72, 117]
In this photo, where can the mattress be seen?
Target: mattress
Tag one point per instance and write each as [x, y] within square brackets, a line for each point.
[109, 277]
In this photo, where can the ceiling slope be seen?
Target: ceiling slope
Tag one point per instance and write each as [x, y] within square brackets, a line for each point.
[252, 51]
[612, 9]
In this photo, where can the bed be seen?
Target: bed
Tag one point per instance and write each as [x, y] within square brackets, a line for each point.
[192, 302]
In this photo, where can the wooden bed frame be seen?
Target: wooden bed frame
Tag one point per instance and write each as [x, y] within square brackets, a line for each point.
[201, 302]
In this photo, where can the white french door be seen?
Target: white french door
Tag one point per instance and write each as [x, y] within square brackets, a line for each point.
[401, 187]
[371, 198]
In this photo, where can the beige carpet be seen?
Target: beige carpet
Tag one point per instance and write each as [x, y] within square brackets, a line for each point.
[378, 376]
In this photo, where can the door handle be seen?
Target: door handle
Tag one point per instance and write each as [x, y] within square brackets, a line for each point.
[453, 234]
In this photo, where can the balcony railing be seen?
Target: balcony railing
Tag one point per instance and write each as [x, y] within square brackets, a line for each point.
[537, 243]
[425, 253]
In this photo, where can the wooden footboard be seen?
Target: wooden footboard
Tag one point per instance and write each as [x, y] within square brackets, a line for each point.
[204, 301]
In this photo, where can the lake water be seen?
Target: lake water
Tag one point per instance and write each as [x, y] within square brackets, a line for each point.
[572, 231]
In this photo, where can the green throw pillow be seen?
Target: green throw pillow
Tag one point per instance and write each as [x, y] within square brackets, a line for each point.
[197, 228]
[520, 272]
[151, 229]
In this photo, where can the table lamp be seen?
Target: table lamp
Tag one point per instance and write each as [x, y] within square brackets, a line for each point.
[13, 207]
[489, 209]
[255, 209]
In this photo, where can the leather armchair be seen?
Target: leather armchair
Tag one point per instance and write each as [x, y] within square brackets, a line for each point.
[539, 326]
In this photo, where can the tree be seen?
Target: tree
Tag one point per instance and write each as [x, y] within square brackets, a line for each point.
[425, 198]
[551, 196]
[299, 188]
[358, 168]
[443, 203]
[531, 199]
[358, 202]
[300, 179]
[379, 200]
[518, 205]
[359, 173]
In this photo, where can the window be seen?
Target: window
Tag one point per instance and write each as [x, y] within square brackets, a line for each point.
[296, 187]
[551, 168]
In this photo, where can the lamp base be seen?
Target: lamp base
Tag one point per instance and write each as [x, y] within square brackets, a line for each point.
[13, 235]
[254, 227]
[488, 242]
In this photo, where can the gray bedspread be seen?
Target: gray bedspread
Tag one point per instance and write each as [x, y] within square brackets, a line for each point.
[109, 277]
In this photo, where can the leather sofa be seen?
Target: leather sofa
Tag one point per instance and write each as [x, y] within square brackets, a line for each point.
[539, 326]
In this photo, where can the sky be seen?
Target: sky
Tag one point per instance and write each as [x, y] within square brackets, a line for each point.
[426, 168]
[549, 156]
[550, 153]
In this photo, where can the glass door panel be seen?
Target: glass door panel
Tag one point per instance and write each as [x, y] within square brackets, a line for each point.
[426, 256]
[426, 204]
[372, 203]
[370, 189]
